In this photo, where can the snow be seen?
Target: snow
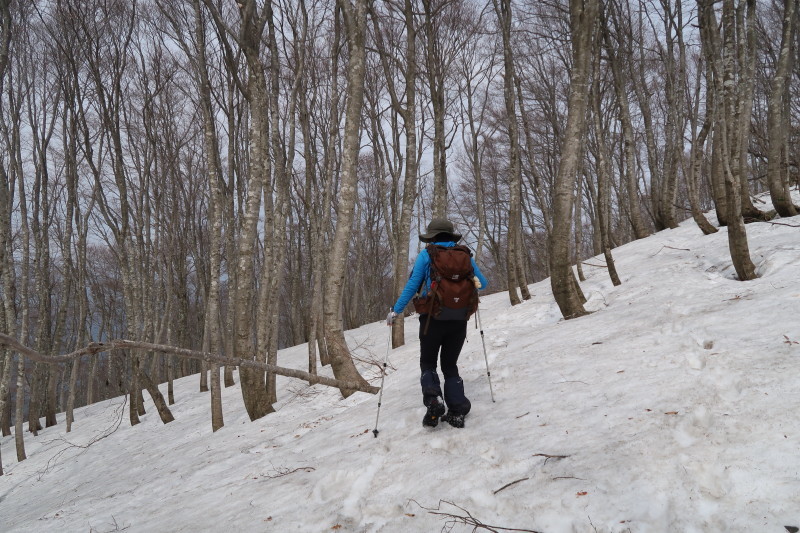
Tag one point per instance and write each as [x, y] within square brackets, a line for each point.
[674, 405]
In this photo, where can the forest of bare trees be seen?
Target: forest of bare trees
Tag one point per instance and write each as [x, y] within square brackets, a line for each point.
[234, 177]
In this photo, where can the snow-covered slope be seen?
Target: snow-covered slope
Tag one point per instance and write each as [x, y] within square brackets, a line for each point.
[672, 407]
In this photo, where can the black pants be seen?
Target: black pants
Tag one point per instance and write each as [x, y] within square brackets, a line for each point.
[442, 339]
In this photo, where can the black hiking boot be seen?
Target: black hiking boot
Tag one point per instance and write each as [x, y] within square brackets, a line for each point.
[457, 421]
[435, 410]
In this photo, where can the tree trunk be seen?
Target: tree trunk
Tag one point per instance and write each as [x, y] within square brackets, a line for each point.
[630, 176]
[402, 237]
[727, 94]
[582, 23]
[603, 177]
[778, 119]
[341, 360]
[436, 83]
[18, 414]
[744, 47]
[502, 9]
[695, 163]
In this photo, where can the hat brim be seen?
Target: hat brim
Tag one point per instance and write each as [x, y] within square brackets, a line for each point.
[442, 236]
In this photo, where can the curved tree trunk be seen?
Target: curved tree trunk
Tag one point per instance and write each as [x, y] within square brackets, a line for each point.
[603, 178]
[582, 23]
[341, 361]
[695, 163]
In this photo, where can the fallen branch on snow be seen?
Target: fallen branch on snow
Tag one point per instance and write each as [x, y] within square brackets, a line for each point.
[548, 456]
[509, 484]
[785, 224]
[467, 519]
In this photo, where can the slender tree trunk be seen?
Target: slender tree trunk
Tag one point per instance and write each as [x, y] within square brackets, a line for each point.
[630, 175]
[745, 49]
[778, 119]
[502, 9]
[215, 211]
[402, 230]
[578, 250]
[5, 388]
[723, 54]
[435, 74]
[18, 414]
[695, 163]
[562, 280]
[341, 360]
[603, 176]
[283, 158]
[664, 209]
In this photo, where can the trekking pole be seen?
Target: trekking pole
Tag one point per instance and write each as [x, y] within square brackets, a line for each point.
[383, 375]
[485, 357]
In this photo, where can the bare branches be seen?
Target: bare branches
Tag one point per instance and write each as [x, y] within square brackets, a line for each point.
[785, 224]
[671, 248]
[119, 415]
[466, 519]
[282, 471]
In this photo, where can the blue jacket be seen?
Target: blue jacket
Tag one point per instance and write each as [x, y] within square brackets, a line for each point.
[422, 272]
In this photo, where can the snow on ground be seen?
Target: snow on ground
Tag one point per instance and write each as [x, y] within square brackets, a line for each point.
[674, 407]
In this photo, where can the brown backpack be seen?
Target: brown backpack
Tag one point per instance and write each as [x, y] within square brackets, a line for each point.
[452, 295]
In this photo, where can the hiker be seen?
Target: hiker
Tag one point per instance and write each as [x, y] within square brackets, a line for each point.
[443, 315]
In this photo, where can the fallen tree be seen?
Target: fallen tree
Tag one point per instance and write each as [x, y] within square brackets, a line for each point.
[97, 347]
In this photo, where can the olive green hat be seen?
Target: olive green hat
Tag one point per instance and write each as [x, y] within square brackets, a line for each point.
[440, 229]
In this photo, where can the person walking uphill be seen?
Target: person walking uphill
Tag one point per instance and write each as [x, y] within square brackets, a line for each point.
[444, 285]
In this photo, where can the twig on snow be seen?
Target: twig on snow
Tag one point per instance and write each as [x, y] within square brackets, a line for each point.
[467, 519]
[548, 456]
[282, 471]
[509, 484]
[785, 224]
[671, 248]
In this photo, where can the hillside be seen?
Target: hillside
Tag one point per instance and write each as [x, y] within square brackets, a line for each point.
[672, 407]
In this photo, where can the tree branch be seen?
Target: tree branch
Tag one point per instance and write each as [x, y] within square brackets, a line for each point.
[466, 519]
[97, 347]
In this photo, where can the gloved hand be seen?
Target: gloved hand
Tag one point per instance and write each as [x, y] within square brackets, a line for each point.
[477, 282]
[390, 317]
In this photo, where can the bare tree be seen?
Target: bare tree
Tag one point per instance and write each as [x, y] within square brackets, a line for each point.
[249, 39]
[778, 116]
[355, 29]
[401, 229]
[725, 61]
[696, 153]
[502, 10]
[631, 178]
[7, 314]
[603, 169]
[582, 24]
